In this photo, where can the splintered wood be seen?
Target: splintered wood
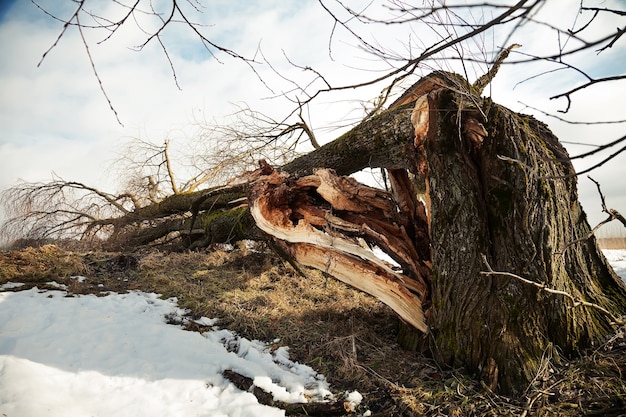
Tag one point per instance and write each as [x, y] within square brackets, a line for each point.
[332, 223]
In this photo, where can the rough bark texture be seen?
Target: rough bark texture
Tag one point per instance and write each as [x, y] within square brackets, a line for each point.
[497, 184]
[200, 218]
[378, 142]
[511, 201]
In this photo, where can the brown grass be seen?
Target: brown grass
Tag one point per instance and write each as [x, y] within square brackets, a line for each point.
[612, 242]
[342, 333]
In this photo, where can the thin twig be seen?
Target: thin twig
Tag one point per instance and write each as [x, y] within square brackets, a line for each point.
[567, 94]
[614, 214]
[95, 72]
[571, 122]
[542, 286]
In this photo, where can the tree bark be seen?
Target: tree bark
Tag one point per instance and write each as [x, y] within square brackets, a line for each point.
[498, 185]
[380, 142]
[511, 196]
[202, 217]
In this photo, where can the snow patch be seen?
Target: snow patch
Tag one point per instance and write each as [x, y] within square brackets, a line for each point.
[11, 285]
[617, 259]
[206, 322]
[62, 356]
[57, 285]
[79, 278]
[353, 399]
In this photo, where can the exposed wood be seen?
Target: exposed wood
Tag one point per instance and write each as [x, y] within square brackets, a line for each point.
[368, 277]
[329, 222]
[355, 150]
[415, 215]
[425, 85]
[468, 177]
[420, 119]
[495, 182]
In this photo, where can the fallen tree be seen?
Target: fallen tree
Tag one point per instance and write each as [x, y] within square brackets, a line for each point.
[500, 193]
[475, 189]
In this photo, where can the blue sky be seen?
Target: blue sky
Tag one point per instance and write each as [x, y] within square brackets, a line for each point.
[56, 120]
[5, 5]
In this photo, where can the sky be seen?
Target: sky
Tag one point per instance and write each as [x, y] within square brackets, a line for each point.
[57, 122]
[115, 356]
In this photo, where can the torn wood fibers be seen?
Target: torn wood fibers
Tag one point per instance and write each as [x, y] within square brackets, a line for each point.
[332, 223]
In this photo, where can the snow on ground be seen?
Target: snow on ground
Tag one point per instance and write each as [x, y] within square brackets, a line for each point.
[117, 356]
[617, 259]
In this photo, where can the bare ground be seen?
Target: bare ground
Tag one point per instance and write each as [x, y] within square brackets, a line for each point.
[342, 333]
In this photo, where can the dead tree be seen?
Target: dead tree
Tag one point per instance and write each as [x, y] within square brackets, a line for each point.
[497, 193]
[476, 189]
[499, 187]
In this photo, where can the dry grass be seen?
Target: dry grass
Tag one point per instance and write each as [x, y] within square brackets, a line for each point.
[342, 333]
[612, 242]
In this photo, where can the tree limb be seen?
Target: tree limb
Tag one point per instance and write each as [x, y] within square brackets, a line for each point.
[576, 301]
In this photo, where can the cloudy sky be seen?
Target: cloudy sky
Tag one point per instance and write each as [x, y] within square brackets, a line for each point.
[56, 121]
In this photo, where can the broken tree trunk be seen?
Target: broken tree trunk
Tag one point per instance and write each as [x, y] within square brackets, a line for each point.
[332, 223]
[499, 195]
[508, 192]
[195, 219]
[499, 187]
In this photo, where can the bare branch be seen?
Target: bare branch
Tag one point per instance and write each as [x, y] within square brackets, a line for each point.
[482, 81]
[95, 72]
[573, 122]
[604, 9]
[598, 149]
[66, 24]
[168, 166]
[601, 148]
[60, 209]
[576, 301]
[613, 214]
[411, 65]
[175, 15]
[618, 35]
[567, 94]
[604, 161]
[586, 46]
[169, 60]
